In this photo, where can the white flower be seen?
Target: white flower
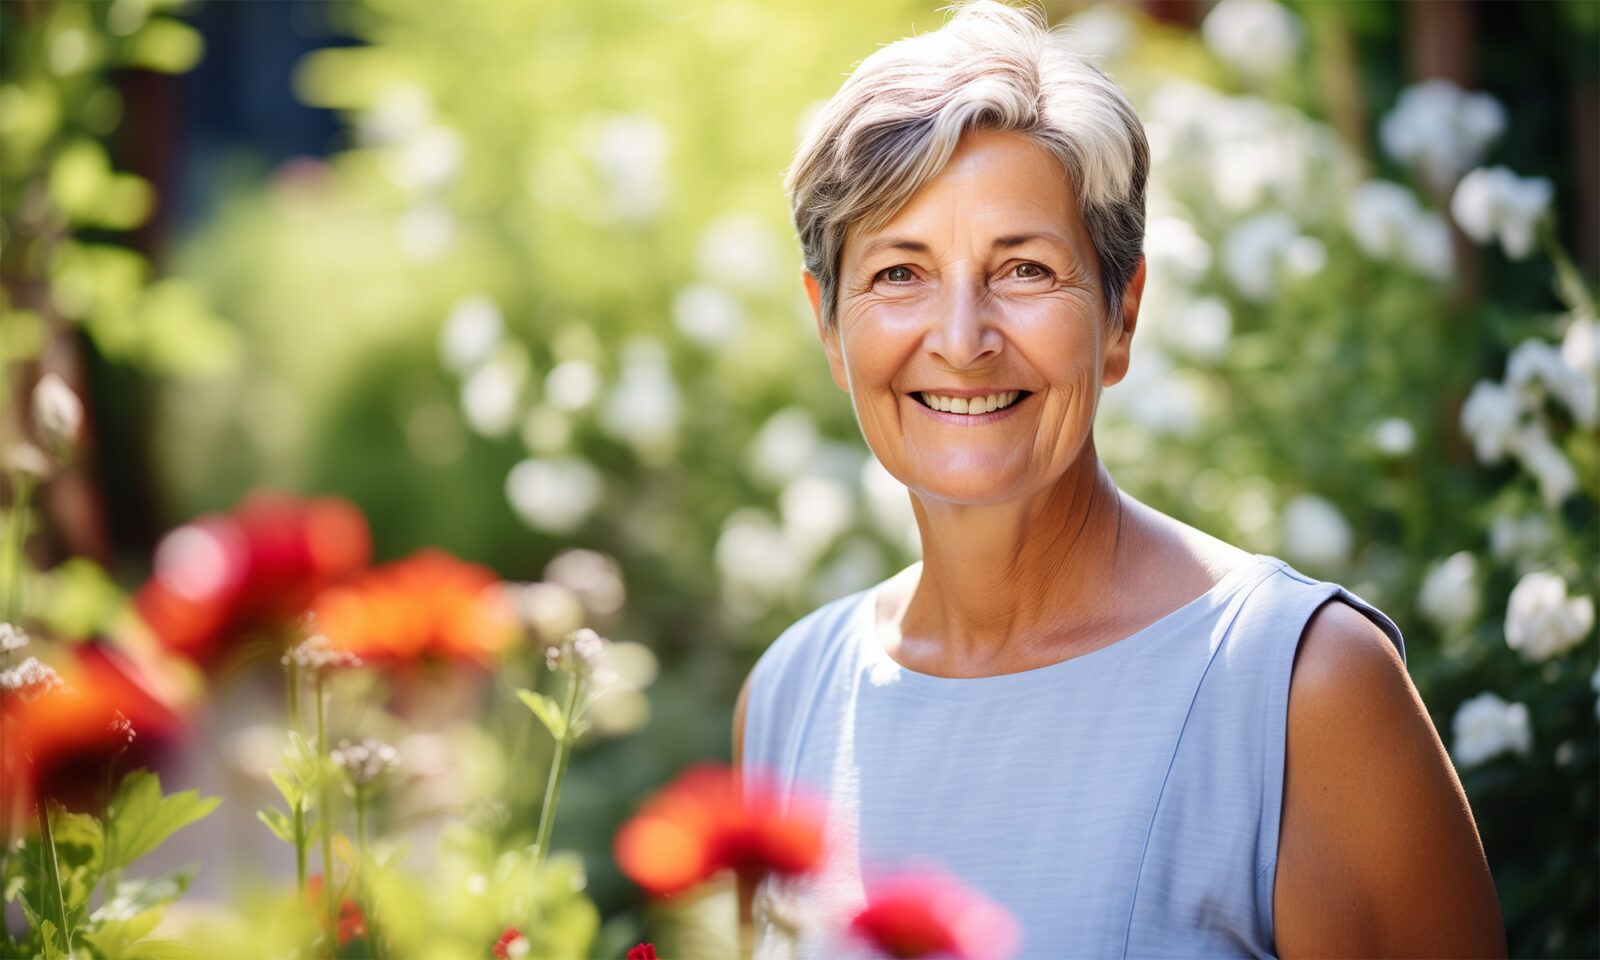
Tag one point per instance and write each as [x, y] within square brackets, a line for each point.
[708, 315]
[57, 412]
[30, 680]
[12, 638]
[1580, 347]
[595, 577]
[741, 251]
[1486, 725]
[1549, 466]
[629, 151]
[1493, 202]
[1258, 38]
[1541, 621]
[471, 333]
[1315, 532]
[1255, 250]
[644, 406]
[1518, 538]
[317, 652]
[364, 761]
[1388, 224]
[1491, 416]
[1394, 436]
[1100, 31]
[1441, 129]
[1536, 364]
[783, 447]
[554, 494]
[1449, 594]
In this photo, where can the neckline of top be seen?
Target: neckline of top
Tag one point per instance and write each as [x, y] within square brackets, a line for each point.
[884, 670]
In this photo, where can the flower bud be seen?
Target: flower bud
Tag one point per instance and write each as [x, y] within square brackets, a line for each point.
[57, 413]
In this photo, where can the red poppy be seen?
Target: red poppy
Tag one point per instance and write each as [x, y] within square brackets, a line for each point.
[352, 922]
[428, 603]
[708, 821]
[931, 914]
[257, 568]
[512, 945]
[68, 741]
[644, 951]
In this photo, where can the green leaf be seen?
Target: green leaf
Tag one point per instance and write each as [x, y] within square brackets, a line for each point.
[52, 948]
[140, 818]
[546, 710]
[112, 938]
[278, 822]
[134, 898]
[288, 786]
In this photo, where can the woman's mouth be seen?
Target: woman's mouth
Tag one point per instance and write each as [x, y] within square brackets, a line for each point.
[971, 406]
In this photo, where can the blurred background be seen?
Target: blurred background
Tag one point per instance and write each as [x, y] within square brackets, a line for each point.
[514, 284]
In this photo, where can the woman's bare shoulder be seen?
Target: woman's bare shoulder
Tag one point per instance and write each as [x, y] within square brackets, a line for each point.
[1378, 854]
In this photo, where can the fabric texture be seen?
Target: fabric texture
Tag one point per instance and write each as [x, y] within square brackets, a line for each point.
[1123, 803]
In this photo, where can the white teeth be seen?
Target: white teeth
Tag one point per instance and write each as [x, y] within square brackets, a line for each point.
[973, 405]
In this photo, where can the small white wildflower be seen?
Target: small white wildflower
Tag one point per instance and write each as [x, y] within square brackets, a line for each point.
[583, 651]
[1491, 417]
[1256, 250]
[1449, 594]
[1550, 467]
[1493, 202]
[1487, 725]
[1315, 532]
[1441, 129]
[317, 652]
[1580, 346]
[1259, 38]
[30, 680]
[12, 638]
[1536, 367]
[1541, 621]
[1394, 436]
[1388, 224]
[57, 412]
[364, 761]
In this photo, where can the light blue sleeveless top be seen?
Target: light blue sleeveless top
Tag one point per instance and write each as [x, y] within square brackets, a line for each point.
[1123, 803]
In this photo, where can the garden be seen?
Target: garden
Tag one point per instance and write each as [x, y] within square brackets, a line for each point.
[414, 429]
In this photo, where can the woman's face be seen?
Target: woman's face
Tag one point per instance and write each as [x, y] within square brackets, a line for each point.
[983, 290]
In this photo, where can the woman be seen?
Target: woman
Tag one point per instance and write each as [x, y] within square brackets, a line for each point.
[1137, 738]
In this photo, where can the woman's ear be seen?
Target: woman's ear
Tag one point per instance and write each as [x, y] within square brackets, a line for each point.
[829, 334]
[1117, 353]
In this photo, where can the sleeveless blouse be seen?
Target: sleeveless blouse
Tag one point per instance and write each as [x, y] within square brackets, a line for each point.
[1122, 803]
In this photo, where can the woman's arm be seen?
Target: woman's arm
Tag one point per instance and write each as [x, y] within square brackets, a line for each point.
[1378, 855]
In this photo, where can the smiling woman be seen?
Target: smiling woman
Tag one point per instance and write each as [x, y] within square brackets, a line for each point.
[1137, 739]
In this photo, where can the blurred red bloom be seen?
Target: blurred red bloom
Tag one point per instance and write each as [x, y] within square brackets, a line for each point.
[931, 914]
[512, 945]
[644, 951]
[225, 575]
[352, 922]
[64, 741]
[706, 821]
[430, 602]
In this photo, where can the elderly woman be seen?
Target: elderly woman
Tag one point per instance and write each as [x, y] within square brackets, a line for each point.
[1136, 738]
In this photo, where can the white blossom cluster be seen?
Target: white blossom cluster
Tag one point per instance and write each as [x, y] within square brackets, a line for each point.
[1505, 419]
[12, 638]
[1492, 203]
[1486, 726]
[1390, 225]
[1542, 621]
[317, 652]
[1449, 595]
[30, 680]
[1258, 38]
[364, 761]
[1441, 130]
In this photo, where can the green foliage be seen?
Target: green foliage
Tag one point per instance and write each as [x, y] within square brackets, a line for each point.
[141, 819]
[548, 712]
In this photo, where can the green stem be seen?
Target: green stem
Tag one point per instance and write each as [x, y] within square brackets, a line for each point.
[300, 846]
[326, 823]
[1569, 282]
[55, 906]
[558, 770]
[361, 865]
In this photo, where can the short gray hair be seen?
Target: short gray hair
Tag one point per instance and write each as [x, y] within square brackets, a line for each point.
[894, 124]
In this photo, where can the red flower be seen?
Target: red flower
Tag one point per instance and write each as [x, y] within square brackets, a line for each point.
[512, 945]
[707, 821]
[930, 914]
[644, 951]
[352, 922]
[62, 742]
[430, 602]
[225, 575]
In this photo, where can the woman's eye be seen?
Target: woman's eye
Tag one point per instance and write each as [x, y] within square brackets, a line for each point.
[898, 275]
[1028, 271]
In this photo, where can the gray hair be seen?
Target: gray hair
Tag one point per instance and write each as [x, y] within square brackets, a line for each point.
[894, 124]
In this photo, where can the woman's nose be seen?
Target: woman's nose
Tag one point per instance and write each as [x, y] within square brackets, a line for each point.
[963, 328]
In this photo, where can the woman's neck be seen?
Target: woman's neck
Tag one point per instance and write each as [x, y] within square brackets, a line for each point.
[1005, 587]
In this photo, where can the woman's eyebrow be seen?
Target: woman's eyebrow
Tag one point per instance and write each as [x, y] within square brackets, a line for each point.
[893, 243]
[1006, 243]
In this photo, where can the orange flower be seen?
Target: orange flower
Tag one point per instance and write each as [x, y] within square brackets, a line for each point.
[512, 945]
[706, 822]
[224, 575]
[352, 922]
[931, 914]
[430, 602]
